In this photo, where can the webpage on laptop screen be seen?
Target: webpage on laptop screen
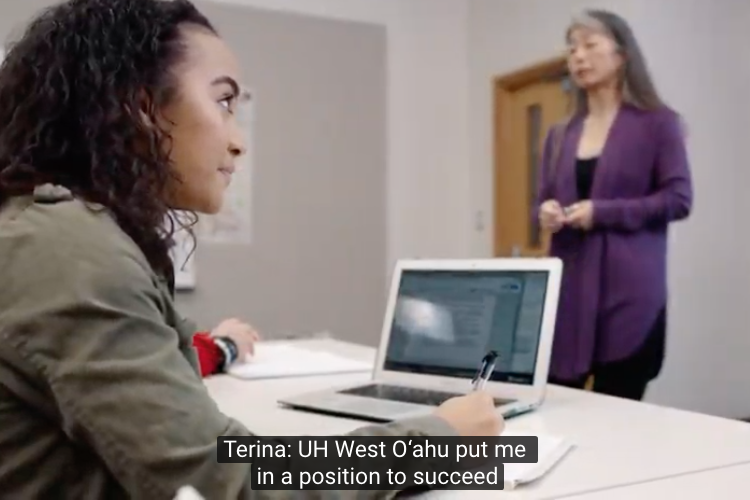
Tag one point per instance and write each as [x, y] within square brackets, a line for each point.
[446, 321]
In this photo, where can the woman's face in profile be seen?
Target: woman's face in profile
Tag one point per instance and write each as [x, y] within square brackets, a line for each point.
[593, 57]
[206, 137]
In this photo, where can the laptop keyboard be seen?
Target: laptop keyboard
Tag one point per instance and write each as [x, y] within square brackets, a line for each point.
[409, 394]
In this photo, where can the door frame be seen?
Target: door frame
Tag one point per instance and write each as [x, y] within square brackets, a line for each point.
[503, 87]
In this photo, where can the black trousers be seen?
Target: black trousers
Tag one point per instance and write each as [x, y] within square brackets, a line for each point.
[628, 378]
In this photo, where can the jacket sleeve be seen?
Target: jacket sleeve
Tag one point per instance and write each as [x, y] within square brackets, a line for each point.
[672, 199]
[209, 354]
[93, 330]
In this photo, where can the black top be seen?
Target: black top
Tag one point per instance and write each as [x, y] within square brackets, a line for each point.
[585, 168]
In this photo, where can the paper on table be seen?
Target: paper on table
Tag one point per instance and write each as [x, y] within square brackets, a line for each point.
[188, 493]
[552, 449]
[283, 360]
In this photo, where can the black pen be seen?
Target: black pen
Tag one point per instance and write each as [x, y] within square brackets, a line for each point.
[485, 371]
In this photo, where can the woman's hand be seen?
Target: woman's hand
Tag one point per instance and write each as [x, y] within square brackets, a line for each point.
[243, 335]
[551, 216]
[580, 215]
[472, 415]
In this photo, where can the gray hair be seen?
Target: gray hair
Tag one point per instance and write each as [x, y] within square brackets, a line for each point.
[637, 85]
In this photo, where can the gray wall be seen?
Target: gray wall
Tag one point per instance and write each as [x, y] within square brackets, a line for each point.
[318, 252]
[15, 13]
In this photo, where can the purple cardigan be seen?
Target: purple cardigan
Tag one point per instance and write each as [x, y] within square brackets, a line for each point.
[614, 278]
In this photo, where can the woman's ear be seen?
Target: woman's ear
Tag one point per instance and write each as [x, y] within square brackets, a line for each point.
[146, 109]
[145, 119]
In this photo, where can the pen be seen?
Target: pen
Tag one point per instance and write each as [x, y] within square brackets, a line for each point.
[485, 371]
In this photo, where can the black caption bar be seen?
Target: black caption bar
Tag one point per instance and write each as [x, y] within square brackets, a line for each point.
[374, 463]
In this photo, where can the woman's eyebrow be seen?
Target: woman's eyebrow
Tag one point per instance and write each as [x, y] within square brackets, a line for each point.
[228, 80]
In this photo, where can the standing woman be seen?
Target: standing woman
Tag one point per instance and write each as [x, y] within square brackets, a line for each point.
[613, 177]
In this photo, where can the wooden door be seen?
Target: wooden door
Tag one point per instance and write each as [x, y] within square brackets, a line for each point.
[527, 104]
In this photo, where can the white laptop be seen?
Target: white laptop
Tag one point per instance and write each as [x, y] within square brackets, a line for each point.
[442, 317]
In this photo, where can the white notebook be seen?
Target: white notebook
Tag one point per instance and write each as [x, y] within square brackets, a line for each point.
[552, 449]
[281, 359]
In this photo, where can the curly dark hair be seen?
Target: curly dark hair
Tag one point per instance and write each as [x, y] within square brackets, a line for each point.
[72, 94]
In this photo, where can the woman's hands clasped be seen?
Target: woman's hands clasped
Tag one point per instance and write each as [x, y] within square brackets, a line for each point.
[552, 216]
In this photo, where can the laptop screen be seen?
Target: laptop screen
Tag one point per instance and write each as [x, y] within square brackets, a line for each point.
[446, 321]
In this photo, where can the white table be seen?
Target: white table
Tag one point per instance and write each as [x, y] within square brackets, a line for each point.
[619, 442]
[726, 483]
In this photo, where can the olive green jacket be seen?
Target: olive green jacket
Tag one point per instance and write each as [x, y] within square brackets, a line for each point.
[100, 391]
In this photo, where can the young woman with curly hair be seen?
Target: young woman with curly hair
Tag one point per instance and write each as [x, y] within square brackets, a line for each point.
[114, 113]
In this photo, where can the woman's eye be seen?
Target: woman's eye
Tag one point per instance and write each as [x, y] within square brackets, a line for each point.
[227, 103]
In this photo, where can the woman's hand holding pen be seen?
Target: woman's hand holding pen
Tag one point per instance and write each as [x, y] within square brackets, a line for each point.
[472, 415]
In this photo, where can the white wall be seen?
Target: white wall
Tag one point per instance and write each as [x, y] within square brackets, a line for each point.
[442, 57]
[699, 61]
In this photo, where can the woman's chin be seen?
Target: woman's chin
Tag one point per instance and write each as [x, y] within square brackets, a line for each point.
[206, 207]
[211, 208]
[590, 84]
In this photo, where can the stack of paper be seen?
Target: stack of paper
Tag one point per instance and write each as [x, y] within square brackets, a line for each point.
[274, 360]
